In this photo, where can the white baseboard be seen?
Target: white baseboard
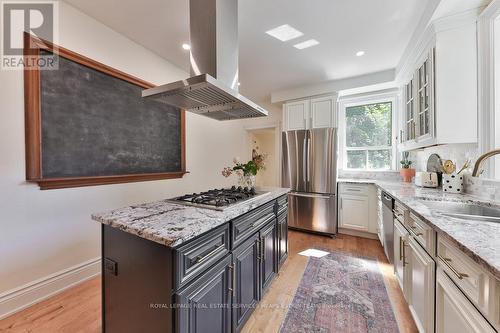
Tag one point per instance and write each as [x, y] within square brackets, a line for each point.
[357, 233]
[22, 297]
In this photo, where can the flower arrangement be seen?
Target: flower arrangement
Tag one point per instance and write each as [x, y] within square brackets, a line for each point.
[246, 172]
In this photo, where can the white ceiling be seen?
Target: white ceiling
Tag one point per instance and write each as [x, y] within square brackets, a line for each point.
[381, 28]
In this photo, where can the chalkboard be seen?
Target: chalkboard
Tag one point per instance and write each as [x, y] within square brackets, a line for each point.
[95, 125]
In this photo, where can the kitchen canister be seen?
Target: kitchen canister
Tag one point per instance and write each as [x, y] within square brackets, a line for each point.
[453, 183]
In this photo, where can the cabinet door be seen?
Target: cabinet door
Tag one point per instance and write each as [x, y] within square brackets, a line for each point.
[296, 115]
[246, 280]
[282, 238]
[421, 290]
[454, 312]
[425, 98]
[323, 111]
[268, 255]
[205, 303]
[354, 212]
[400, 260]
[409, 131]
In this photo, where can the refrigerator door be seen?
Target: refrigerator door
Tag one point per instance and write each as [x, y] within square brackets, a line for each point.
[294, 148]
[321, 173]
[313, 212]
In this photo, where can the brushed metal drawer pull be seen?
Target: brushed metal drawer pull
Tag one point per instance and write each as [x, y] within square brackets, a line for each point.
[231, 289]
[263, 243]
[404, 254]
[459, 275]
[200, 259]
[400, 248]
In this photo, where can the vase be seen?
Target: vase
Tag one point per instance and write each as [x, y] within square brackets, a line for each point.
[246, 180]
[407, 174]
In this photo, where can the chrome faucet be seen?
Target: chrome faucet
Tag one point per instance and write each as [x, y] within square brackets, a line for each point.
[477, 167]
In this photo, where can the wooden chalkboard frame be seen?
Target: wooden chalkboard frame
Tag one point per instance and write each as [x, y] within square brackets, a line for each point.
[32, 109]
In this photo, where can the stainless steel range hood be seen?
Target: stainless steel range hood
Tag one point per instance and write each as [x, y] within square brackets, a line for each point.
[212, 90]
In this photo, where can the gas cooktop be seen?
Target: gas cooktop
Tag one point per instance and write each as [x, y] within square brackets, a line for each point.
[219, 199]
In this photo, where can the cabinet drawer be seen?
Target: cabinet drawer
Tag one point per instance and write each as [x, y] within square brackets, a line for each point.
[354, 189]
[422, 233]
[245, 225]
[196, 256]
[469, 276]
[282, 204]
[400, 212]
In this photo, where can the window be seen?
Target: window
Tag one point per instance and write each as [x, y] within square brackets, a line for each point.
[368, 136]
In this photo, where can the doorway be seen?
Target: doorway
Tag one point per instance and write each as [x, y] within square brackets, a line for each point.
[265, 141]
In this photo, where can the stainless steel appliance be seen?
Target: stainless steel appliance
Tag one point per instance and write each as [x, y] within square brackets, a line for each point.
[212, 89]
[388, 224]
[220, 199]
[309, 169]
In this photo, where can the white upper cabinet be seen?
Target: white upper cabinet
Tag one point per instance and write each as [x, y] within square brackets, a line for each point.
[440, 91]
[323, 112]
[318, 112]
[296, 115]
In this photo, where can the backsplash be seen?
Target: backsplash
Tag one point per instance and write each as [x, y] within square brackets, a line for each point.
[458, 153]
[378, 175]
[488, 189]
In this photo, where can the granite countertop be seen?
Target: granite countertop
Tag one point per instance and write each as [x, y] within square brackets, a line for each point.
[480, 240]
[172, 224]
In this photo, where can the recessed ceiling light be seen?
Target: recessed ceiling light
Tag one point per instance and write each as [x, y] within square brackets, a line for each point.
[360, 53]
[284, 32]
[306, 44]
[186, 46]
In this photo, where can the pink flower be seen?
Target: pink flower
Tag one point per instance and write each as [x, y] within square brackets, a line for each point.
[227, 171]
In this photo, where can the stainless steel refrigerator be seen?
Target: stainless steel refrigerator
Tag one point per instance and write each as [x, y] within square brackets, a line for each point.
[309, 168]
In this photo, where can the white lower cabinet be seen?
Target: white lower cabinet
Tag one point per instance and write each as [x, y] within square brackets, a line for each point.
[421, 283]
[358, 208]
[454, 312]
[354, 212]
[400, 244]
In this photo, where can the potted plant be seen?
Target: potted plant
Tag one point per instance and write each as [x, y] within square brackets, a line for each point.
[246, 172]
[406, 171]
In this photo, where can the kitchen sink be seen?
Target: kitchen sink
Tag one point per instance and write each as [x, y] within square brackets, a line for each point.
[464, 211]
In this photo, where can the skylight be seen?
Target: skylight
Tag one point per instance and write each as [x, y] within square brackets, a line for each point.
[284, 33]
[306, 44]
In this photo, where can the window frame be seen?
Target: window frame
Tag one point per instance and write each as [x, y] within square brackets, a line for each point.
[391, 96]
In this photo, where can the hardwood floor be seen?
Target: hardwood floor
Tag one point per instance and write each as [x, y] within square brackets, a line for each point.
[79, 309]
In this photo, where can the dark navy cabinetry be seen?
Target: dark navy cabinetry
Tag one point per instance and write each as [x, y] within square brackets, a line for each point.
[211, 283]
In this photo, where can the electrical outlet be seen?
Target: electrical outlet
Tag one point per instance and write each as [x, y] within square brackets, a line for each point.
[111, 266]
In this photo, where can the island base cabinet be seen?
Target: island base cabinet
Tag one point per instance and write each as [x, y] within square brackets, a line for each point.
[269, 256]
[282, 238]
[204, 306]
[246, 281]
[454, 312]
[136, 284]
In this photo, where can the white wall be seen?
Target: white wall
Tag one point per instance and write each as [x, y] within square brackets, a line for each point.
[44, 232]
[265, 139]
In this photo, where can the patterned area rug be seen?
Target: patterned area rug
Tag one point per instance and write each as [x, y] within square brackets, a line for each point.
[341, 293]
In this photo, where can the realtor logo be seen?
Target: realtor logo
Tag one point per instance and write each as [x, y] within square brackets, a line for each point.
[39, 19]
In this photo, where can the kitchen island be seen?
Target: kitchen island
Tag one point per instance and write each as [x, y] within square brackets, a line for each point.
[169, 267]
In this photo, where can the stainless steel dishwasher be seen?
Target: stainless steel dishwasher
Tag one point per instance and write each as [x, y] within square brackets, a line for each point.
[388, 219]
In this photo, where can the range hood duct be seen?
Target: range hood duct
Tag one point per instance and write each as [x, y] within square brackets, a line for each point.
[212, 89]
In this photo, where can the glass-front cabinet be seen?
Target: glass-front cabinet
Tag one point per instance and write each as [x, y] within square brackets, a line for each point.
[417, 127]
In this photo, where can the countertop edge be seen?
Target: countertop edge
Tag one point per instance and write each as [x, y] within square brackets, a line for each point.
[140, 220]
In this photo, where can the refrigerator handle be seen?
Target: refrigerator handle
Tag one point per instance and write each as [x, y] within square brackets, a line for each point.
[304, 161]
[308, 159]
